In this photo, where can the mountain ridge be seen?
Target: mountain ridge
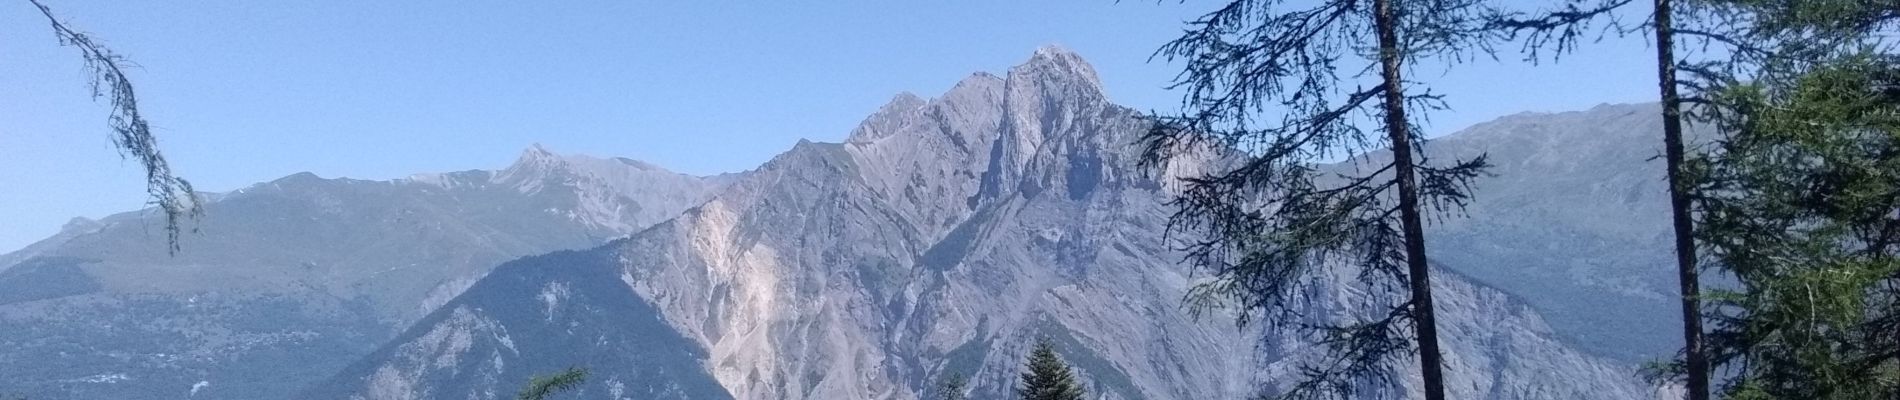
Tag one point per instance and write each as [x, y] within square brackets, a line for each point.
[290, 279]
[939, 237]
[942, 236]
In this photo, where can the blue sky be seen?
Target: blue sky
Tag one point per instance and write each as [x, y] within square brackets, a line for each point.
[246, 91]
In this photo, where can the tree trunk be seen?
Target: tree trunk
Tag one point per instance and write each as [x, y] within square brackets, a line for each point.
[1396, 128]
[1698, 363]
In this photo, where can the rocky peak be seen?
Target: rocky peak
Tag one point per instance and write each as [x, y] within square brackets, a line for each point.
[538, 161]
[901, 110]
[1055, 66]
[618, 195]
[979, 88]
[1058, 128]
[990, 136]
[1049, 90]
[537, 164]
[534, 158]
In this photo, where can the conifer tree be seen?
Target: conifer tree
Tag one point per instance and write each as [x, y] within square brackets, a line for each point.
[1798, 200]
[540, 387]
[1694, 360]
[1047, 377]
[1280, 87]
[1802, 206]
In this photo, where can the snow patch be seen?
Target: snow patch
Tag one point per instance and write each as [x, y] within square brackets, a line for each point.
[103, 378]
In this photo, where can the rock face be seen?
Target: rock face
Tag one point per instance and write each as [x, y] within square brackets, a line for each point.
[943, 236]
[288, 281]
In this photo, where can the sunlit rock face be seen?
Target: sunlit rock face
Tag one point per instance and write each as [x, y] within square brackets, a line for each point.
[943, 236]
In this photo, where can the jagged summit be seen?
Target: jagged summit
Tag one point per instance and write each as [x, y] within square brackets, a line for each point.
[904, 100]
[1053, 80]
[538, 156]
[535, 156]
[536, 148]
[1057, 66]
[537, 161]
[888, 118]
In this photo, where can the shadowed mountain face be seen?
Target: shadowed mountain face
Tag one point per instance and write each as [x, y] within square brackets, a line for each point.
[1576, 222]
[288, 281]
[599, 323]
[943, 236]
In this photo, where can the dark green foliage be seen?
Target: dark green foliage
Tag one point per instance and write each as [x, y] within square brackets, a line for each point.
[1264, 88]
[131, 133]
[1801, 205]
[1047, 377]
[542, 386]
[953, 388]
[1105, 376]
[1799, 202]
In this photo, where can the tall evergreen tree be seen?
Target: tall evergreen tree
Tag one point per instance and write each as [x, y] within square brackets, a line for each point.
[1802, 206]
[1695, 362]
[1799, 201]
[1047, 377]
[132, 135]
[1264, 87]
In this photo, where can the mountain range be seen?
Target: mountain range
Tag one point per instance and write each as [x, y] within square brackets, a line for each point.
[942, 236]
[287, 281]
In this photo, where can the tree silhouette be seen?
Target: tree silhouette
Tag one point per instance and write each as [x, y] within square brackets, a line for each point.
[132, 135]
[1278, 89]
[540, 387]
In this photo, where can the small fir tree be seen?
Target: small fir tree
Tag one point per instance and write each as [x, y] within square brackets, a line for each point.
[1048, 378]
[540, 387]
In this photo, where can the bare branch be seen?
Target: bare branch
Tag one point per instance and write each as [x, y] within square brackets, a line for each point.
[132, 135]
